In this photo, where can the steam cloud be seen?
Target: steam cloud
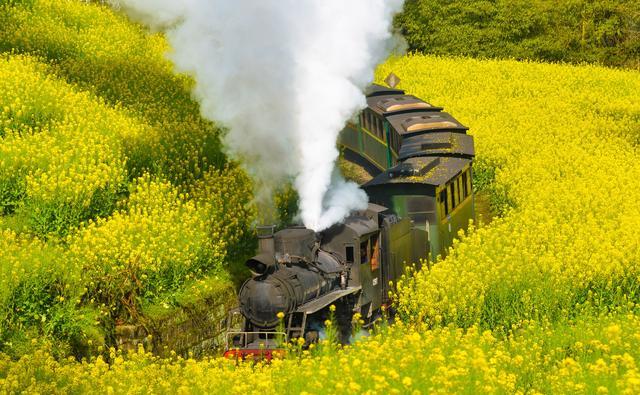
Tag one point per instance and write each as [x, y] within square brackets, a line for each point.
[283, 76]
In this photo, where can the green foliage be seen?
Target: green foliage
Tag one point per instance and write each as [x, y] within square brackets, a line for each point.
[286, 201]
[39, 297]
[13, 3]
[56, 218]
[12, 191]
[484, 177]
[214, 286]
[602, 31]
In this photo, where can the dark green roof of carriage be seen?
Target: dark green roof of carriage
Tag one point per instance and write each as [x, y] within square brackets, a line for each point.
[434, 171]
[380, 90]
[437, 144]
[421, 121]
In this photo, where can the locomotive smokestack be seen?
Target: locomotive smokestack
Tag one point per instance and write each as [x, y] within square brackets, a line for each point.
[266, 244]
[265, 259]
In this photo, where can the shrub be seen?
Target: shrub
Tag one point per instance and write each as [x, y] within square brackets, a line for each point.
[603, 31]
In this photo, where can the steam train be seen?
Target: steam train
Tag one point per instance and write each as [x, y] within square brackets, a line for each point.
[421, 193]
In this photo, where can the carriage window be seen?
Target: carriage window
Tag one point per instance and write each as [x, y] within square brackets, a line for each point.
[446, 201]
[465, 186]
[385, 136]
[394, 140]
[364, 251]
[396, 143]
[374, 252]
[374, 125]
[349, 254]
[453, 196]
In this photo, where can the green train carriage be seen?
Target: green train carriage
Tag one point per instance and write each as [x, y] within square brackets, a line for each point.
[434, 192]
[420, 159]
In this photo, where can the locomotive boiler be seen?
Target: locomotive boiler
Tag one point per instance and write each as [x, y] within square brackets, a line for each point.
[291, 270]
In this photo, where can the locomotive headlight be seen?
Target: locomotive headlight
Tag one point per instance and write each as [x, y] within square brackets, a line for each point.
[261, 264]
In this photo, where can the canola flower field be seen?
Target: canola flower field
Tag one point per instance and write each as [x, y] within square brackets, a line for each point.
[114, 194]
[542, 300]
[590, 356]
[564, 145]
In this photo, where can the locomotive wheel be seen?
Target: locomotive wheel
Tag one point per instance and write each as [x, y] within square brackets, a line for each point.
[311, 337]
[344, 315]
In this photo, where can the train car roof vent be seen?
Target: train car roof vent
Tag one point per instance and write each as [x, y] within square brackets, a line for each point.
[414, 167]
[420, 119]
[428, 122]
[438, 145]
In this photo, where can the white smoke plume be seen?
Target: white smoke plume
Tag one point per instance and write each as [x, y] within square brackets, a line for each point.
[283, 76]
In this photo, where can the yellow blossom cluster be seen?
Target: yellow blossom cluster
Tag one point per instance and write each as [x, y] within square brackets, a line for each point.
[100, 51]
[562, 141]
[22, 260]
[595, 355]
[163, 237]
[58, 147]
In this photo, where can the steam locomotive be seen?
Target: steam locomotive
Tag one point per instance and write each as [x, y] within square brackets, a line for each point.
[421, 194]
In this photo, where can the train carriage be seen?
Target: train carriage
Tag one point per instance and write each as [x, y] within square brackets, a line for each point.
[434, 192]
[421, 160]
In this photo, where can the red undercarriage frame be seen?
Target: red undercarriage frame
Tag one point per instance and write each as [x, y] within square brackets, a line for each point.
[255, 354]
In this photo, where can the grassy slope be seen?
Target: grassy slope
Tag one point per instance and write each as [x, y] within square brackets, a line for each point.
[113, 189]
